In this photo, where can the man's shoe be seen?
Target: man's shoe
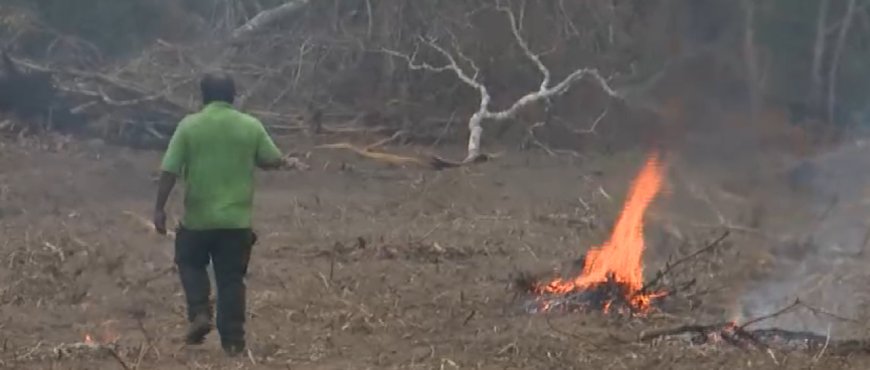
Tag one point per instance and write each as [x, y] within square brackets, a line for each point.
[233, 349]
[198, 329]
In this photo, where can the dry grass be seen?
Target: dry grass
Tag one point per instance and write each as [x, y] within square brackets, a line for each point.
[359, 266]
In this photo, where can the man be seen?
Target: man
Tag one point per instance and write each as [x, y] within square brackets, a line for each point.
[216, 151]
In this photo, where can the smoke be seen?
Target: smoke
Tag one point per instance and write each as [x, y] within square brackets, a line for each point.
[822, 261]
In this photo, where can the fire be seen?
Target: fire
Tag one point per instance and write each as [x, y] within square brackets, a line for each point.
[108, 335]
[620, 259]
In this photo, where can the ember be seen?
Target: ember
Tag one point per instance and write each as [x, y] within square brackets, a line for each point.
[739, 336]
[612, 275]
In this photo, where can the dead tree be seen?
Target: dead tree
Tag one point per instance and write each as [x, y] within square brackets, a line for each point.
[545, 91]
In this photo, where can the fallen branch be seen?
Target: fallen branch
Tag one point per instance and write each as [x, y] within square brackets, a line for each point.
[764, 339]
[268, 18]
[433, 162]
[760, 339]
[145, 96]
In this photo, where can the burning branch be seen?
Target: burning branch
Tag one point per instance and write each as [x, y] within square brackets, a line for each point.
[545, 91]
[612, 275]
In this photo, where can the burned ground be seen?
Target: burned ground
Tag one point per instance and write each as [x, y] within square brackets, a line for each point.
[361, 265]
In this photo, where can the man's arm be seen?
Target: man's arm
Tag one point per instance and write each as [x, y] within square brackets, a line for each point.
[164, 188]
[271, 165]
[173, 161]
[269, 157]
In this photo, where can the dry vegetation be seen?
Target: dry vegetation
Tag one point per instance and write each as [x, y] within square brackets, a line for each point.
[361, 266]
[368, 257]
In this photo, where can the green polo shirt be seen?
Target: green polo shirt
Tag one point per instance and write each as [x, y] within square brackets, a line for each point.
[216, 152]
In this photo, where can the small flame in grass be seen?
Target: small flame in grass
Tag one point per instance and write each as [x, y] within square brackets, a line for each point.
[620, 259]
[108, 336]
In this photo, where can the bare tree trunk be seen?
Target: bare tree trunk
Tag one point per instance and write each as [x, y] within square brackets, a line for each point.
[817, 83]
[387, 16]
[751, 60]
[835, 62]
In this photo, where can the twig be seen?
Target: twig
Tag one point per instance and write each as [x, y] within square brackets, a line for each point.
[445, 130]
[159, 274]
[773, 356]
[825, 347]
[643, 337]
[594, 125]
[147, 224]
[63, 348]
[822, 312]
[332, 264]
[604, 193]
[469, 317]
[117, 357]
[143, 349]
[534, 139]
[386, 141]
[797, 303]
[251, 357]
[670, 266]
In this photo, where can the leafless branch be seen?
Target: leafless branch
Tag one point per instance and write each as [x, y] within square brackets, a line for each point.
[594, 125]
[670, 266]
[544, 92]
[515, 28]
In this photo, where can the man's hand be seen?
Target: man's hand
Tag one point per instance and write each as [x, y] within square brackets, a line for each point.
[292, 162]
[165, 185]
[286, 162]
[160, 221]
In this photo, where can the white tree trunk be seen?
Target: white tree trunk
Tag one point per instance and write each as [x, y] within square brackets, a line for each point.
[268, 18]
[475, 132]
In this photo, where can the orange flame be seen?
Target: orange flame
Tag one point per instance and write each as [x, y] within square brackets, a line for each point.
[621, 257]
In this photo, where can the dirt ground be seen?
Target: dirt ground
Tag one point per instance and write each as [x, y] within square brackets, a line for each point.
[365, 266]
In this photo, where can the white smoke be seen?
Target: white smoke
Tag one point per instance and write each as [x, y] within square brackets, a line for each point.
[823, 263]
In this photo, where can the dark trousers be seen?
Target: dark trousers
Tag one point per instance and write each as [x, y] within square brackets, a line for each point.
[229, 251]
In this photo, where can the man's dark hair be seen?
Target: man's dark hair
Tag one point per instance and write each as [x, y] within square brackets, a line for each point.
[217, 86]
